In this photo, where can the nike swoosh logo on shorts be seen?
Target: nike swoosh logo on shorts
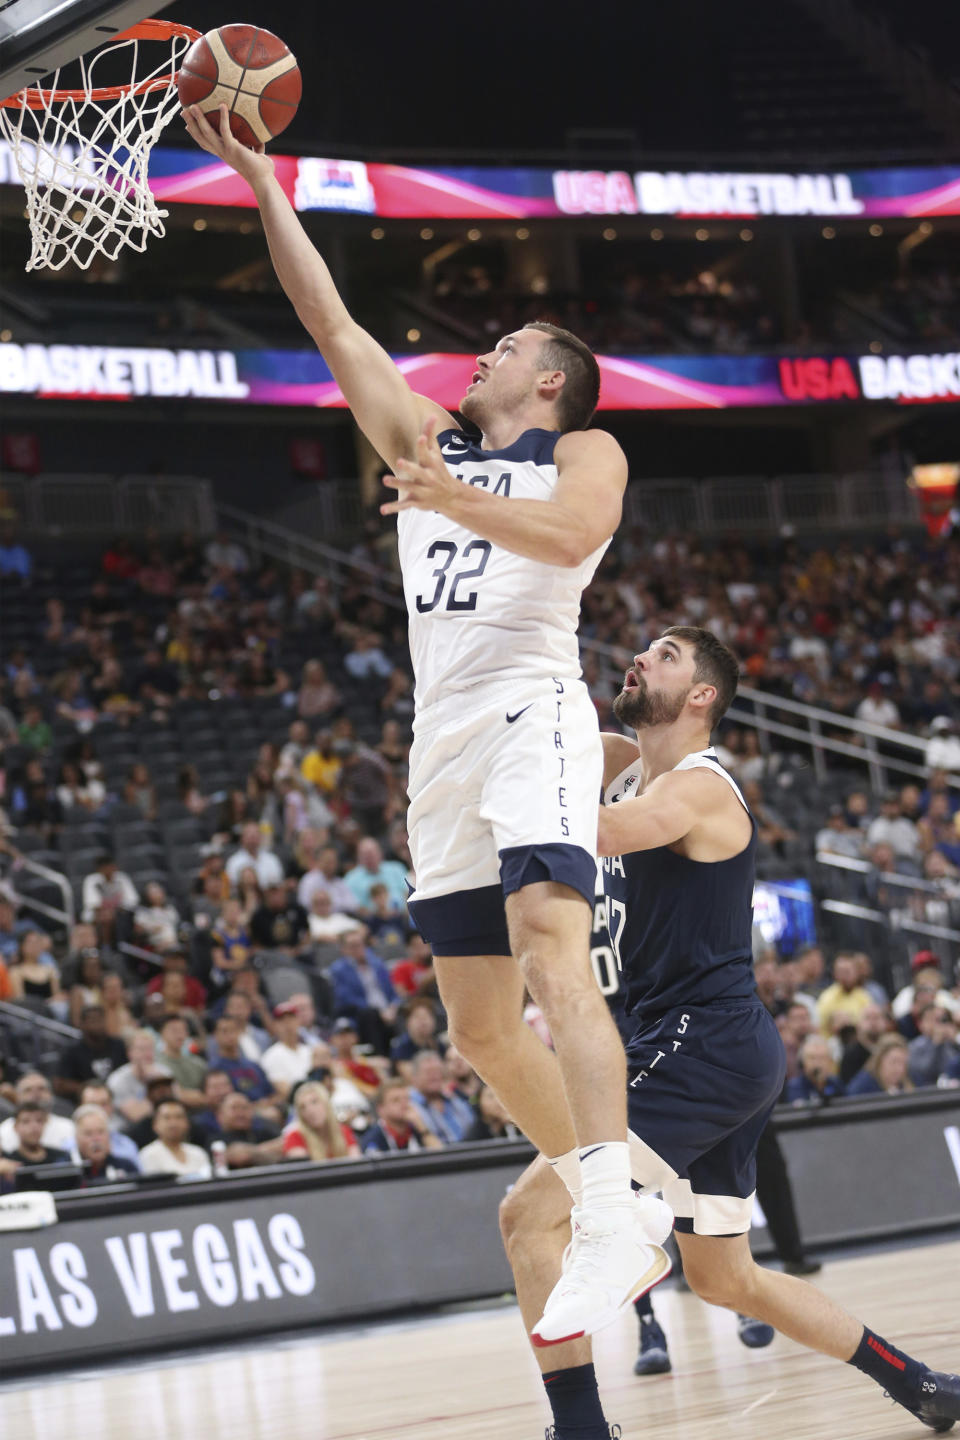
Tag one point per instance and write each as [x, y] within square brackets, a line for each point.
[511, 718]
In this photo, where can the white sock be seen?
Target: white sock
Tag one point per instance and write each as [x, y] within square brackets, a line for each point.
[568, 1168]
[605, 1168]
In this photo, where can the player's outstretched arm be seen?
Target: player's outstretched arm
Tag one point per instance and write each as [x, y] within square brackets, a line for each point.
[581, 515]
[386, 409]
[667, 811]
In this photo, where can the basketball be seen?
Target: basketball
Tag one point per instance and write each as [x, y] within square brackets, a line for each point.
[251, 71]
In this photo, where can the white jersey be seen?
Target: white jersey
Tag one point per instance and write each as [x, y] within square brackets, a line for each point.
[479, 613]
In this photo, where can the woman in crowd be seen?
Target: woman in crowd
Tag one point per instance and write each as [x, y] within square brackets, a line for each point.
[33, 979]
[885, 1073]
[316, 1133]
[87, 988]
[230, 944]
[319, 698]
[157, 919]
[75, 791]
[249, 893]
[116, 1006]
[139, 790]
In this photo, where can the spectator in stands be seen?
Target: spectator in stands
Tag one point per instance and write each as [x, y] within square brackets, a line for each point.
[29, 1123]
[909, 1025]
[324, 875]
[845, 1000]
[317, 700]
[371, 869]
[16, 562]
[366, 784]
[362, 990]
[366, 660]
[116, 1006]
[246, 1075]
[101, 1166]
[419, 1033]
[107, 892]
[288, 1060]
[396, 702]
[938, 828]
[10, 929]
[280, 923]
[316, 1134]
[387, 922]
[33, 730]
[230, 944]
[326, 924]
[311, 1033]
[363, 1073]
[217, 1083]
[253, 1015]
[34, 1088]
[934, 1050]
[96, 1093]
[461, 1078]
[491, 1121]
[33, 974]
[415, 971]
[250, 1139]
[156, 921]
[795, 1024]
[838, 837]
[942, 751]
[93, 1057]
[252, 856]
[171, 1153]
[926, 974]
[885, 1073]
[399, 1125]
[876, 708]
[175, 963]
[128, 1083]
[818, 1081]
[86, 967]
[176, 1055]
[321, 766]
[865, 977]
[444, 1115]
[773, 831]
[872, 1025]
[222, 553]
[893, 828]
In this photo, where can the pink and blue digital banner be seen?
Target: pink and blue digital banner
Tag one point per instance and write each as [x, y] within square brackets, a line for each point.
[634, 382]
[500, 193]
[477, 193]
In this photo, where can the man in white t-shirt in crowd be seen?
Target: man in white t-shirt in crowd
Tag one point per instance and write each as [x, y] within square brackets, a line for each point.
[327, 924]
[289, 1059]
[876, 708]
[253, 856]
[325, 875]
[942, 750]
[33, 1088]
[891, 827]
[170, 1154]
[128, 1084]
[105, 891]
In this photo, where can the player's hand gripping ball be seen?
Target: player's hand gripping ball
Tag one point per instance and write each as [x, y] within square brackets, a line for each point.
[248, 70]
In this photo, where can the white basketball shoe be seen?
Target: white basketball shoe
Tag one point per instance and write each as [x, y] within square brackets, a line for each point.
[613, 1258]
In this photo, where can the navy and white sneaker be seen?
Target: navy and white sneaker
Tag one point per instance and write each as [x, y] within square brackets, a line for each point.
[755, 1334]
[939, 1406]
[653, 1357]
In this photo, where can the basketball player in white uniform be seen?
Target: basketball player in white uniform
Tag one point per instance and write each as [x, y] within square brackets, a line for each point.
[498, 538]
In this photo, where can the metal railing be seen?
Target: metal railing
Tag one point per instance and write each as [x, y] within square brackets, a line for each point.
[77, 506]
[17, 865]
[303, 552]
[753, 505]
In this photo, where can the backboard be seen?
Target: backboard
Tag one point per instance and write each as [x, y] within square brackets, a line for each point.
[38, 35]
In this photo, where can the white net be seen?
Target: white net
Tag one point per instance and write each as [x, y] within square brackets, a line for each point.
[83, 154]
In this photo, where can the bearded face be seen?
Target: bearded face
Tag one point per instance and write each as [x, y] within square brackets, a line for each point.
[639, 707]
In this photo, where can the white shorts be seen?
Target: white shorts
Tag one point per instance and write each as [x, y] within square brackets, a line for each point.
[501, 797]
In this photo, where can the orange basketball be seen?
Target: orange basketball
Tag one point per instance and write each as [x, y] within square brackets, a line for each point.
[247, 69]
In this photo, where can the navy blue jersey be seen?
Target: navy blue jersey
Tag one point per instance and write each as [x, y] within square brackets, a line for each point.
[606, 967]
[680, 928]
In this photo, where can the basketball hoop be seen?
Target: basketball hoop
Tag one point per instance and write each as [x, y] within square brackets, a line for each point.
[83, 154]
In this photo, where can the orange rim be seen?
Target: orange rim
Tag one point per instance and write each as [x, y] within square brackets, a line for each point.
[34, 99]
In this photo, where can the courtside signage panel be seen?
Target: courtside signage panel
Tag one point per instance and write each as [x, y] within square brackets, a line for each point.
[634, 382]
[502, 193]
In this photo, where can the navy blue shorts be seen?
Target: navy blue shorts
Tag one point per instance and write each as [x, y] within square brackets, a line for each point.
[703, 1081]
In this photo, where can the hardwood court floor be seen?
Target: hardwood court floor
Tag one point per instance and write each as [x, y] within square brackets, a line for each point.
[468, 1377]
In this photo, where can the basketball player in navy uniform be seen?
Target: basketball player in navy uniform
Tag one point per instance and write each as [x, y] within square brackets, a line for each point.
[705, 1061]
[498, 537]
